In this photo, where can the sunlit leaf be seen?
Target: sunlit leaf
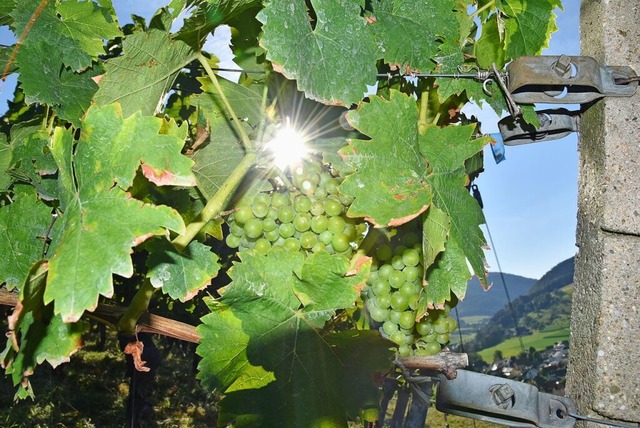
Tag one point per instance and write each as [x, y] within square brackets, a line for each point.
[100, 221]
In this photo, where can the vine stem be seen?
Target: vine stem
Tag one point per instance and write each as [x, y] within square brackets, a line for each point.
[248, 145]
[137, 307]
[218, 202]
[424, 106]
[483, 8]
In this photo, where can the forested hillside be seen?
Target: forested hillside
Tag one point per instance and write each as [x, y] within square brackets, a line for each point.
[548, 303]
[481, 302]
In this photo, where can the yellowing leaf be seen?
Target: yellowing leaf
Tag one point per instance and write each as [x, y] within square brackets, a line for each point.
[100, 222]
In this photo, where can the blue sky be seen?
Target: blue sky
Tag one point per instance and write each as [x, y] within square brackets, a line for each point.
[530, 199]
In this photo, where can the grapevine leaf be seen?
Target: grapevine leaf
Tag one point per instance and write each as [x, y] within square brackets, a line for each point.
[269, 317]
[528, 25]
[100, 221]
[144, 73]
[181, 275]
[449, 275]
[5, 12]
[317, 59]
[45, 81]
[410, 31]
[389, 186]
[32, 161]
[36, 335]
[216, 160]
[489, 48]
[447, 149]
[529, 115]
[329, 148]
[208, 16]
[435, 231]
[349, 387]
[23, 226]
[78, 30]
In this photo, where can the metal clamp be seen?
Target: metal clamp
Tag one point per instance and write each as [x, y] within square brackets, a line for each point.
[503, 401]
[554, 124]
[567, 80]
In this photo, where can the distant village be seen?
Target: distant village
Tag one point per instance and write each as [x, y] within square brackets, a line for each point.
[546, 369]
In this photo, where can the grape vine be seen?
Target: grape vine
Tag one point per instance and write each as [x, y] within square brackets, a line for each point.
[161, 178]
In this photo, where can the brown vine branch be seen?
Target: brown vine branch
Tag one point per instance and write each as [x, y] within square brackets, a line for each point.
[148, 323]
[446, 363]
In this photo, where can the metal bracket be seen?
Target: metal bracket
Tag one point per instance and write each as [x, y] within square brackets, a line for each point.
[554, 124]
[503, 401]
[567, 80]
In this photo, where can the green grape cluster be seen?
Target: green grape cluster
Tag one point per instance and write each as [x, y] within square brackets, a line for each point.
[311, 217]
[392, 296]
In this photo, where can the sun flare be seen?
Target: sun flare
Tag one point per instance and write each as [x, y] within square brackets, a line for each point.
[288, 147]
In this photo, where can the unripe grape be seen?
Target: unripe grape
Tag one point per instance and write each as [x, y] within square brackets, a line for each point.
[308, 240]
[395, 316]
[405, 350]
[319, 224]
[302, 222]
[380, 286]
[389, 327]
[378, 314]
[424, 328]
[273, 213]
[269, 224]
[412, 273]
[333, 207]
[407, 319]
[318, 247]
[383, 300]
[410, 257]
[253, 228]
[286, 214]
[399, 302]
[398, 337]
[262, 246]
[242, 214]
[430, 348]
[336, 224]
[260, 209]
[332, 186]
[272, 235]
[302, 204]
[264, 198]
[397, 262]
[236, 229]
[326, 237]
[287, 230]
[397, 279]
[317, 208]
[232, 241]
[451, 325]
[441, 325]
[385, 270]
[340, 242]
[292, 244]
[278, 200]
[443, 338]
